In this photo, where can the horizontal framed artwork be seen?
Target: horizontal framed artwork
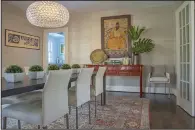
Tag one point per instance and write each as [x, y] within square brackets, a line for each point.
[21, 40]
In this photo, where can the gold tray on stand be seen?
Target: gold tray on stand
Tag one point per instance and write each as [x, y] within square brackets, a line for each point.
[98, 56]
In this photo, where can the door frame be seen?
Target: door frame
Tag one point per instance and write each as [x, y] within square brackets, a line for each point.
[192, 67]
[45, 45]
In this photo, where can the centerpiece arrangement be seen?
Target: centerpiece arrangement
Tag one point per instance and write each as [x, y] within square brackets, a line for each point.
[36, 72]
[75, 68]
[14, 73]
[139, 45]
[65, 67]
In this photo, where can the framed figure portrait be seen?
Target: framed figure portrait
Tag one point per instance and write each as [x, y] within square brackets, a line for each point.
[114, 37]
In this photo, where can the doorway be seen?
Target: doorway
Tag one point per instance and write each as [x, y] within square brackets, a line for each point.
[55, 47]
[185, 57]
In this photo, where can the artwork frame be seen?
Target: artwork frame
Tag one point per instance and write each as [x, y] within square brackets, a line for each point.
[62, 48]
[126, 44]
[21, 40]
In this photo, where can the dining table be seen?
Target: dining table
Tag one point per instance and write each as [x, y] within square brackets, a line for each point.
[28, 85]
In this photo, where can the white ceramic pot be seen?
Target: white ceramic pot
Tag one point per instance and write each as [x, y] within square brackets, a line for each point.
[14, 77]
[75, 70]
[36, 75]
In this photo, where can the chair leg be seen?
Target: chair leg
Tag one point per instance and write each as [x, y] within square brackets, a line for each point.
[169, 92]
[4, 122]
[19, 124]
[101, 99]
[44, 127]
[69, 109]
[89, 113]
[95, 107]
[67, 121]
[76, 117]
[165, 88]
[39, 127]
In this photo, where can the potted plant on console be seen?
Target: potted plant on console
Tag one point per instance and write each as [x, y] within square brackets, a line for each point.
[14, 73]
[36, 72]
[139, 45]
[76, 68]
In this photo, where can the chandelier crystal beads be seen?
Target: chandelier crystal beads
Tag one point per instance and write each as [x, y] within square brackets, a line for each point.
[47, 14]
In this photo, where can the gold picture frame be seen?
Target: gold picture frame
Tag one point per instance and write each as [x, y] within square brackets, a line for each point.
[114, 38]
[21, 40]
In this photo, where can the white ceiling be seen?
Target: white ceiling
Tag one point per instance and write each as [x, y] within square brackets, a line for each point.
[89, 6]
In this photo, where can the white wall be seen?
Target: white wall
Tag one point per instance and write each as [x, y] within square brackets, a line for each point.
[85, 33]
[14, 19]
[85, 36]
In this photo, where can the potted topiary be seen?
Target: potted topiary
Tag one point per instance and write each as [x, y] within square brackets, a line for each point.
[36, 72]
[14, 73]
[53, 67]
[65, 66]
[76, 68]
[139, 45]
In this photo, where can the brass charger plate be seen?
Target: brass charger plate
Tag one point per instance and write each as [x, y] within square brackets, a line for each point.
[98, 56]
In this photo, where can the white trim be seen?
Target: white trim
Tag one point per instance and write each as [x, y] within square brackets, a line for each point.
[193, 53]
[186, 105]
[45, 40]
[137, 89]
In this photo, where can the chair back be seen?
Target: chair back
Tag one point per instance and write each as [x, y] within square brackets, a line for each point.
[55, 95]
[3, 71]
[99, 80]
[83, 86]
[26, 69]
[158, 71]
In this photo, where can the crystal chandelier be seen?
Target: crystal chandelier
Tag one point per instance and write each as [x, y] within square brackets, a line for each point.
[47, 14]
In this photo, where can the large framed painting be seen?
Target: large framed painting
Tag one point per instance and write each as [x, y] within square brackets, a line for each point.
[21, 40]
[114, 39]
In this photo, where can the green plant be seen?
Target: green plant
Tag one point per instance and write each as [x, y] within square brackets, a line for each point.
[135, 32]
[65, 66]
[14, 69]
[76, 66]
[36, 68]
[53, 67]
[142, 45]
[139, 45]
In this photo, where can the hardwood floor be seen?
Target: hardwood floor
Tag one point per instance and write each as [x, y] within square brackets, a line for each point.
[165, 114]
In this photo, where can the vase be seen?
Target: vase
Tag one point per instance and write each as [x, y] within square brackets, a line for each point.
[130, 61]
[136, 59]
[14, 77]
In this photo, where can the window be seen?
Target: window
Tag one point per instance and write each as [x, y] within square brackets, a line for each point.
[50, 51]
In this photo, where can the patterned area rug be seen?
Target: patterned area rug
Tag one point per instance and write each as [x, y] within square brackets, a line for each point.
[119, 112]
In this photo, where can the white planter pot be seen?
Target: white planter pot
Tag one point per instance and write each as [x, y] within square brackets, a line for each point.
[36, 75]
[76, 70]
[14, 77]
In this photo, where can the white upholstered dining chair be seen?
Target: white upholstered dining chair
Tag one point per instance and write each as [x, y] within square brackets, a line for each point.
[81, 95]
[98, 88]
[54, 103]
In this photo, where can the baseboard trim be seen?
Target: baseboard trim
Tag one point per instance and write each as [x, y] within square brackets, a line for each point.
[160, 90]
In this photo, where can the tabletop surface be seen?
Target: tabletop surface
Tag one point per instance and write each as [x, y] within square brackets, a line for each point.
[27, 82]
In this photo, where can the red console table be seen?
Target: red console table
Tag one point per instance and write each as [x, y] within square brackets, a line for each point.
[123, 70]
